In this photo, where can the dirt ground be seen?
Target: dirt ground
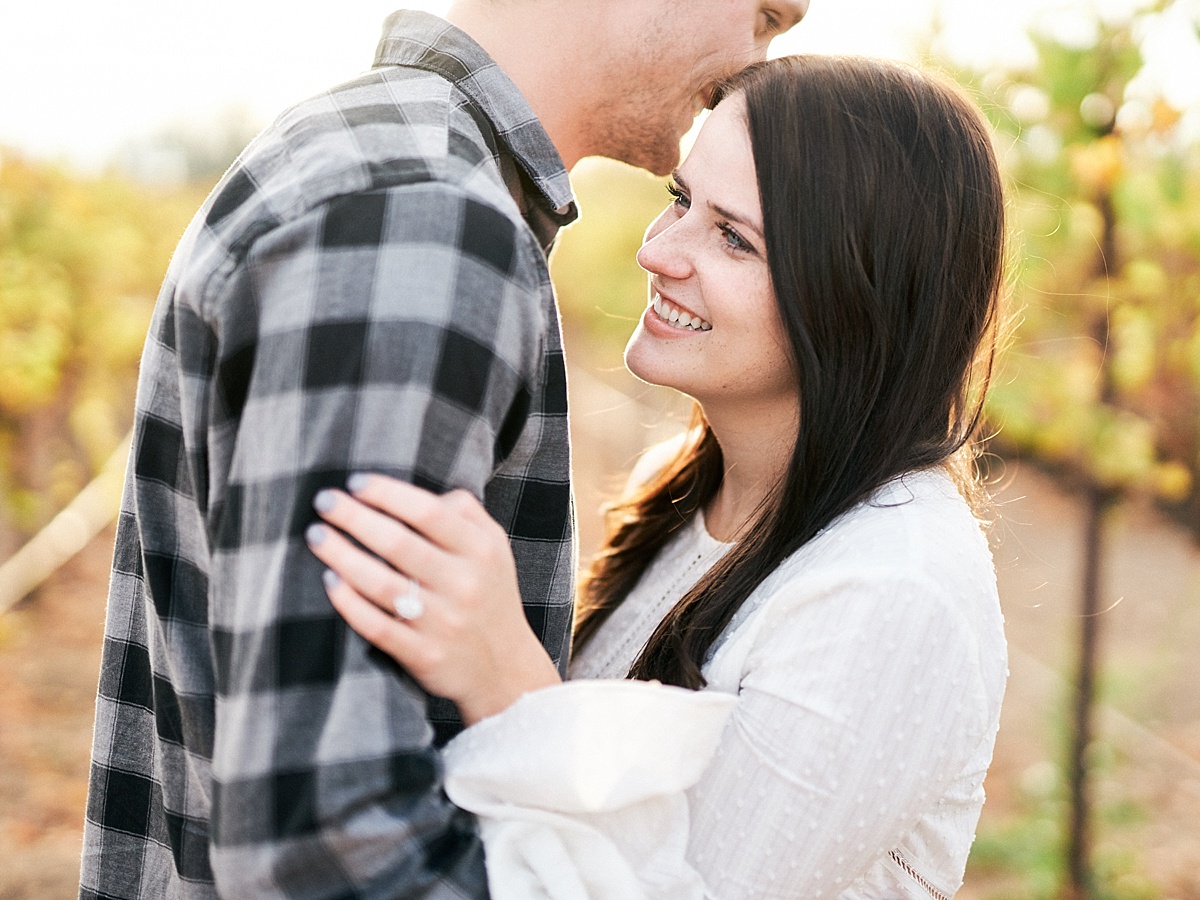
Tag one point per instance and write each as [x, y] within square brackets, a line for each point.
[1148, 750]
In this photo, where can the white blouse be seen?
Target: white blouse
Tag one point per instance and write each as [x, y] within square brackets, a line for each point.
[838, 750]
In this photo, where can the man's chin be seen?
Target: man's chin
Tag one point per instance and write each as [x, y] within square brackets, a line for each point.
[663, 170]
[663, 160]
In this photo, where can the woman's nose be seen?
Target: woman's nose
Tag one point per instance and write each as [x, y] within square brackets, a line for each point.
[664, 251]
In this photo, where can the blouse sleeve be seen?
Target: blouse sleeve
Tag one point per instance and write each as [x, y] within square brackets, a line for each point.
[859, 704]
[580, 789]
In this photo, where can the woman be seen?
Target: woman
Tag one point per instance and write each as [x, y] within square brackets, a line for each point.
[824, 284]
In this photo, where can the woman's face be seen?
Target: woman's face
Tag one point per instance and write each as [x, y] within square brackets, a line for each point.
[712, 329]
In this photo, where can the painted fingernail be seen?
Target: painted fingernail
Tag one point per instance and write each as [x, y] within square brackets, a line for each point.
[330, 578]
[356, 482]
[324, 500]
[314, 534]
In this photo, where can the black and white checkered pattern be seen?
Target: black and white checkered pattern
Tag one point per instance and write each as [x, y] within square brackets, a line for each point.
[361, 292]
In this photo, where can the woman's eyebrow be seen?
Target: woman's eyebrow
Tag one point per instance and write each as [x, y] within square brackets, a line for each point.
[736, 217]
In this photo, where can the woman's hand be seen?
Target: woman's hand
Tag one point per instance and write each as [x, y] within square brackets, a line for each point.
[447, 608]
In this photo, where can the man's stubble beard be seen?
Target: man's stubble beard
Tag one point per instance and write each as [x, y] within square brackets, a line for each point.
[641, 136]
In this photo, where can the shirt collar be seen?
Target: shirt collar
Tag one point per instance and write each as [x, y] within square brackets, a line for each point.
[425, 41]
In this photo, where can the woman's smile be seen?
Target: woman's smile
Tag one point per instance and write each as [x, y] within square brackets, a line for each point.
[676, 316]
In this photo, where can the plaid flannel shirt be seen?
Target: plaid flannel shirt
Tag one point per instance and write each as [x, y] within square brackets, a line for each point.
[365, 290]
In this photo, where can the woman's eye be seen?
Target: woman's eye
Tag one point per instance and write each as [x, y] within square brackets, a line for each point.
[678, 197]
[734, 240]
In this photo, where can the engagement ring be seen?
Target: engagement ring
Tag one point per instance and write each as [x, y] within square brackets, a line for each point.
[409, 605]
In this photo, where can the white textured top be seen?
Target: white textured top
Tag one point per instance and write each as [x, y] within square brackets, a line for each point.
[868, 671]
[678, 566]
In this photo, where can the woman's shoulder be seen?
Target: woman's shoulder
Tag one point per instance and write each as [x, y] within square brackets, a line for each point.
[913, 549]
[912, 560]
[910, 566]
[916, 526]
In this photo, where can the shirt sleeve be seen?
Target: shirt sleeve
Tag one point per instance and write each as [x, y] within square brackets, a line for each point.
[860, 702]
[393, 331]
[580, 789]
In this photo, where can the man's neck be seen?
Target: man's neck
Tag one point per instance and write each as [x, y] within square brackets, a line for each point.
[535, 44]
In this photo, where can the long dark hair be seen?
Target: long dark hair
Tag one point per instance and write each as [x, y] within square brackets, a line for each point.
[883, 215]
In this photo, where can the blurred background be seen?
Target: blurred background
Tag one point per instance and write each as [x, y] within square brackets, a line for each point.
[116, 118]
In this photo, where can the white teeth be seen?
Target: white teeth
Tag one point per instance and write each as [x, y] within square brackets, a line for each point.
[669, 313]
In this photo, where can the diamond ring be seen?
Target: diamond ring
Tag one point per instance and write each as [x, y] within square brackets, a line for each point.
[409, 605]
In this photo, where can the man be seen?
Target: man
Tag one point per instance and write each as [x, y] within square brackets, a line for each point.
[366, 289]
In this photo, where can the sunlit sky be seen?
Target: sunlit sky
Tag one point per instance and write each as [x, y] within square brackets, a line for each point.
[78, 78]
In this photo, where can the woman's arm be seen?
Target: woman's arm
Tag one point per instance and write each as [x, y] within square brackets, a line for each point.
[859, 701]
[580, 789]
